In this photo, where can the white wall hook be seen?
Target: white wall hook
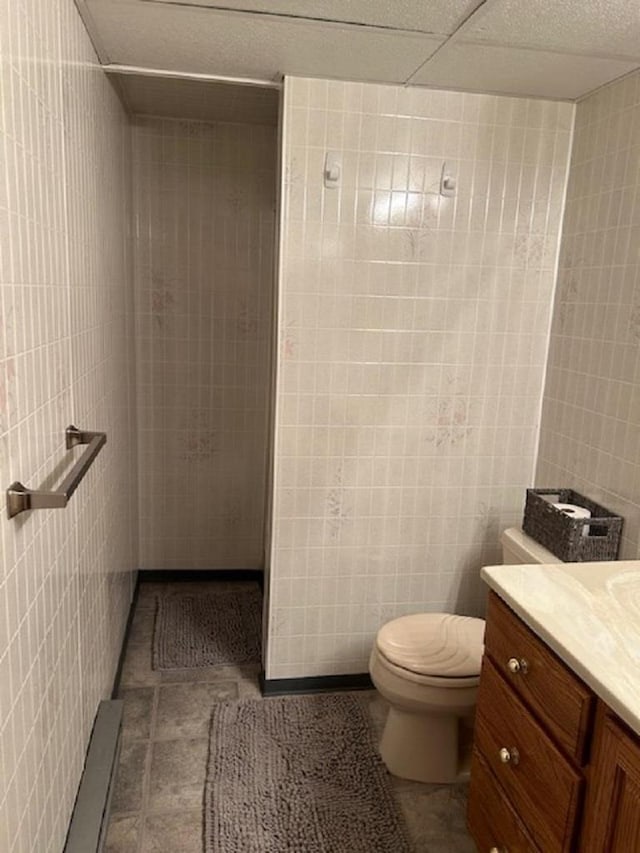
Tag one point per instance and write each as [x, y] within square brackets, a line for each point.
[448, 183]
[332, 170]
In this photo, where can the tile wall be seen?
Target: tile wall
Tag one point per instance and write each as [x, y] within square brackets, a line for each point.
[65, 288]
[590, 437]
[204, 211]
[413, 332]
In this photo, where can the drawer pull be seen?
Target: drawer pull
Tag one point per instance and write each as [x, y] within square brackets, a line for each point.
[498, 850]
[509, 756]
[517, 666]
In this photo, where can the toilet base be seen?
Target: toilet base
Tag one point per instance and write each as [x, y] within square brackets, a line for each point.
[423, 747]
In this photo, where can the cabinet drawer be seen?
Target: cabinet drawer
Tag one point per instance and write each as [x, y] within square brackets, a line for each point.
[559, 699]
[540, 783]
[492, 822]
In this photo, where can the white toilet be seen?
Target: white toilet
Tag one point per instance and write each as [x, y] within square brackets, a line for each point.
[427, 667]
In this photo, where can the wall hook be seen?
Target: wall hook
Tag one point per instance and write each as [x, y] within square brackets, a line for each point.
[448, 184]
[332, 170]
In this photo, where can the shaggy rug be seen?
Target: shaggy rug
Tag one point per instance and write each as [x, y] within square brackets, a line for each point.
[298, 774]
[208, 629]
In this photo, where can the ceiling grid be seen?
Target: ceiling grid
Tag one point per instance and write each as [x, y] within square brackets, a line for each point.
[560, 49]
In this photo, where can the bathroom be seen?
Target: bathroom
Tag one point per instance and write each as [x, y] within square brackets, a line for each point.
[417, 360]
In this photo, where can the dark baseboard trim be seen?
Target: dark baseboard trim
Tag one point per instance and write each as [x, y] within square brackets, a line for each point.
[315, 684]
[87, 831]
[191, 575]
[125, 638]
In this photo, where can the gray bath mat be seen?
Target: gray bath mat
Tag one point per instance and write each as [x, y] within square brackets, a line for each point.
[208, 629]
[298, 774]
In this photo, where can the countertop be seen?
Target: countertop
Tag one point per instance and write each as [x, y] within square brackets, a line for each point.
[589, 614]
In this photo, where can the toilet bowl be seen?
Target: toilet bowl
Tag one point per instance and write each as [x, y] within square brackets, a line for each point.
[427, 667]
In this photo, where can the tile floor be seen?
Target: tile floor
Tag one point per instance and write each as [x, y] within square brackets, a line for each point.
[157, 803]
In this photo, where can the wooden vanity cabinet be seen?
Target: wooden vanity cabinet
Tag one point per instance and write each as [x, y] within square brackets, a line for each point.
[612, 813]
[532, 720]
[553, 769]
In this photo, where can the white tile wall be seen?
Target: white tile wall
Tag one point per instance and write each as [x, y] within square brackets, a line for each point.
[412, 342]
[204, 206]
[65, 575]
[590, 437]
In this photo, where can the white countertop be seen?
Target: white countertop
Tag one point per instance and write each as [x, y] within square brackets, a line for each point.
[589, 614]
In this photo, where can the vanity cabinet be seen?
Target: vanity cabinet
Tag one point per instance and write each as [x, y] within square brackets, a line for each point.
[612, 814]
[553, 770]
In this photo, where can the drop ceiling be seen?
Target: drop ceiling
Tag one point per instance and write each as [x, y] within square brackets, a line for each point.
[543, 48]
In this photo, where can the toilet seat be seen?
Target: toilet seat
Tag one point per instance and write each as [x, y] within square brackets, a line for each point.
[438, 646]
[443, 682]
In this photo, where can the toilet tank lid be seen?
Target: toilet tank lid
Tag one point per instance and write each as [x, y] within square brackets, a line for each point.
[438, 644]
[525, 548]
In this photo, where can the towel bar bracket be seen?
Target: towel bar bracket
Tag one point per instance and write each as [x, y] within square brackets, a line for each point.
[20, 498]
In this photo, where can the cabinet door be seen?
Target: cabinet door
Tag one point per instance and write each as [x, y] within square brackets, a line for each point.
[612, 821]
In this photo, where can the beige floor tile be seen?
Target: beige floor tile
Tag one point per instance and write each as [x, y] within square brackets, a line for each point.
[147, 596]
[249, 688]
[211, 673]
[184, 710]
[141, 631]
[173, 832]
[436, 816]
[123, 834]
[128, 790]
[137, 670]
[177, 774]
[137, 713]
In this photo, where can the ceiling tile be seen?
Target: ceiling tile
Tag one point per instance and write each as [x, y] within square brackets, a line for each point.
[437, 16]
[488, 68]
[195, 40]
[596, 27]
[199, 99]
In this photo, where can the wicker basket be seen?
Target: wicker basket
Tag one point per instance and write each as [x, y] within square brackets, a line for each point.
[563, 535]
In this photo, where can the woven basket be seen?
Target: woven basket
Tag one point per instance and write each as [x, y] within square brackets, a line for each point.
[563, 535]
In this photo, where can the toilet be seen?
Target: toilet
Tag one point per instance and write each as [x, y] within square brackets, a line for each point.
[427, 667]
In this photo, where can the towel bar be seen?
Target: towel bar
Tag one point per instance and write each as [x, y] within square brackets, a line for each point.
[20, 498]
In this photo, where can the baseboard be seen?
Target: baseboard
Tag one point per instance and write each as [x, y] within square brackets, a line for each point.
[90, 818]
[315, 684]
[191, 575]
[125, 638]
